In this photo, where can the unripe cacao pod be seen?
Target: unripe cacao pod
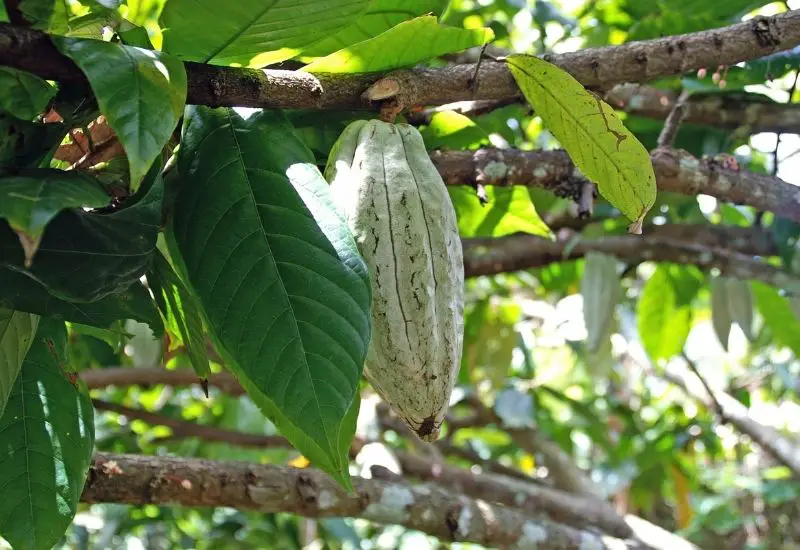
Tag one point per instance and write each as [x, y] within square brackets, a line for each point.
[399, 211]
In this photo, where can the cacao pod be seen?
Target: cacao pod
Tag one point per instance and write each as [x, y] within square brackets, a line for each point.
[399, 211]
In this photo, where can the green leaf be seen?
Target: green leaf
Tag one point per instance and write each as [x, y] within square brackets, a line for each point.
[25, 144]
[319, 130]
[663, 323]
[86, 256]
[509, 210]
[401, 46]
[778, 316]
[47, 432]
[24, 293]
[381, 16]
[600, 289]
[30, 200]
[254, 33]
[22, 94]
[591, 132]
[154, 85]
[181, 313]
[16, 335]
[452, 130]
[720, 312]
[279, 277]
[51, 16]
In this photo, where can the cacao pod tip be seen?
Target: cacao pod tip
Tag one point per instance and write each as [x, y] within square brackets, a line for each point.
[428, 430]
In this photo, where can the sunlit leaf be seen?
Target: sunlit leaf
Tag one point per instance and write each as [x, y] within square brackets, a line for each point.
[401, 46]
[663, 322]
[591, 132]
[508, 210]
[451, 130]
[254, 33]
[778, 316]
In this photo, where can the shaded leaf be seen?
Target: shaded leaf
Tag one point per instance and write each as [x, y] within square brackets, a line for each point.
[381, 16]
[254, 33]
[509, 210]
[86, 256]
[181, 313]
[591, 132]
[32, 199]
[47, 435]
[154, 86]
[22, 94]
[19, 291]
[401, 46]
[720, 313]
[25, 144]
[17, 329]
[663, 323]
[279, 277]
[600, 289]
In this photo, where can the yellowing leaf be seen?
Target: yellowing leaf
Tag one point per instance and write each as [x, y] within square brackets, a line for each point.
[300, 462]
[401, 46]
[593, 135]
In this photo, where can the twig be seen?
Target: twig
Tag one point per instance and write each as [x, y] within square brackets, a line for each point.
[673, 121]
[711, 395]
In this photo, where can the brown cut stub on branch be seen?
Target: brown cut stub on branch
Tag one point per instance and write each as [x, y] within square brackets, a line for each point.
[384, 88]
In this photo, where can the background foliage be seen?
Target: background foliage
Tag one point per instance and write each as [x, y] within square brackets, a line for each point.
[585, 351]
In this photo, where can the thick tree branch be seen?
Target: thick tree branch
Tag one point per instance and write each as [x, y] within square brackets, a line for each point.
[598, 68]
[435, 510]
[676, 171]
[483, 256]
[731, 410]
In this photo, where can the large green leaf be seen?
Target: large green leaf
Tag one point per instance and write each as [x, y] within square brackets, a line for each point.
[24, 293]
[401, 46]
[277, 272]
[509, 210]
[254, 33]
[663, 321]
[670, 17]
[86, 256]
[16, 335]
[141, 93]
[181, 312]
[778, 316]
[46, 442]
[30, 200]
[591, 132]
[381, 16]
[22, 94]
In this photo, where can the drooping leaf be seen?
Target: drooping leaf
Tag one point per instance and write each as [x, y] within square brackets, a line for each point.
[740, 305]
[24, 293]
[17, 329]
[509, 210]
[22, 94]
[591, 132]
[600, 289]
[401, 46]
[451, 130]
[46, 442]
[279, 277]
[154, 85]
[32, 199]
[86, 256]
[663, 322]
[778, 316]
[254, 33]
[181, 312]
[720, 312]
[381, 16]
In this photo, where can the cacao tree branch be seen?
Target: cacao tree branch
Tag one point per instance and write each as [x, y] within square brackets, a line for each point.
[484, 256]
[676, 171]
[430, 508]
[598, 68]
[528, 497]
[784, 450]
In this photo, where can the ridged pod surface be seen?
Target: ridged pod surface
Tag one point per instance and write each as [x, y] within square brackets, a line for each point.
[404, 224]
